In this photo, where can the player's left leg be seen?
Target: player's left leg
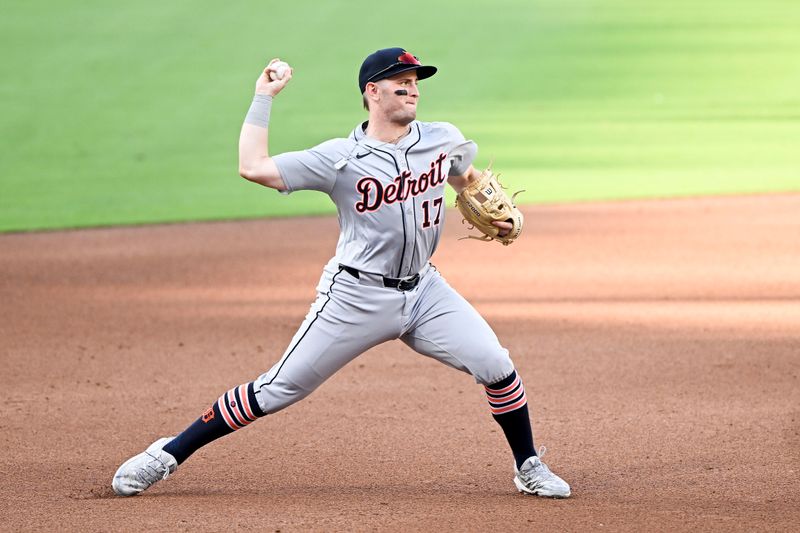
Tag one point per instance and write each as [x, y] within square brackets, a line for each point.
[443, 325]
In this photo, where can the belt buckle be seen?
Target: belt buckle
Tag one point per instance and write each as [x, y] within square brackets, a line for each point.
[407, 284]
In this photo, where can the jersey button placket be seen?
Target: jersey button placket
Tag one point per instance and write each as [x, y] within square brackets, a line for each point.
[408, 208]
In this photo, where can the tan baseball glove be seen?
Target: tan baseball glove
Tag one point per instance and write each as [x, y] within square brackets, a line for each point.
[484, 201]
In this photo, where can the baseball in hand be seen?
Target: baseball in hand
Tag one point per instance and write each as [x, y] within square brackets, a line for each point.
[278, 70]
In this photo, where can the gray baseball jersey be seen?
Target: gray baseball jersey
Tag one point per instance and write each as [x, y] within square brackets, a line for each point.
[390, 199]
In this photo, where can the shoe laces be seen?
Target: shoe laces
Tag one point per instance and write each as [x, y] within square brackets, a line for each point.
[151, 472]
[537, 468]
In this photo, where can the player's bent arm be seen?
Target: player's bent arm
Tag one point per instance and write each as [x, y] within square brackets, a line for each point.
[459, 183]
[255, 164]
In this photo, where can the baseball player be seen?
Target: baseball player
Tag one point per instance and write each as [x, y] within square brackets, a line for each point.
[387, 179]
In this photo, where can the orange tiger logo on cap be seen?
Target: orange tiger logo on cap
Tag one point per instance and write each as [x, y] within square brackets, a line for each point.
[408, 58]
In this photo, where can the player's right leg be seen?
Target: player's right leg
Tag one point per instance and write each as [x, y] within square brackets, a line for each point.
[338, 327]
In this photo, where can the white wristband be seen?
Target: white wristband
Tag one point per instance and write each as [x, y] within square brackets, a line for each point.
[258, 114]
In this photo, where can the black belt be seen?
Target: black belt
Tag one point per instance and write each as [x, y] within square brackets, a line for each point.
[401, 284]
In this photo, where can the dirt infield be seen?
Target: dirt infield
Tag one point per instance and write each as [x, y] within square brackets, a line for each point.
[659, 343]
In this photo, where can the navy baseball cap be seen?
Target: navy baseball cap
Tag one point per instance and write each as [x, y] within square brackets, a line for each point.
[388, 62]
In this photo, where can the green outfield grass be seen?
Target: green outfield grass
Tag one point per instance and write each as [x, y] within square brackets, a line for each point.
[118, 113]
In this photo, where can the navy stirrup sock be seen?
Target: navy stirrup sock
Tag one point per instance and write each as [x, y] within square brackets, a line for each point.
[233, 410]
[509, 406]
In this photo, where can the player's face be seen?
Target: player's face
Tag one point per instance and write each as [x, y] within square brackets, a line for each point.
[400, 109]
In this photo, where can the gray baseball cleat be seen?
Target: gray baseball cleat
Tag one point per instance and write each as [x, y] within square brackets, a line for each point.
[535, 478]
[140, 471]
